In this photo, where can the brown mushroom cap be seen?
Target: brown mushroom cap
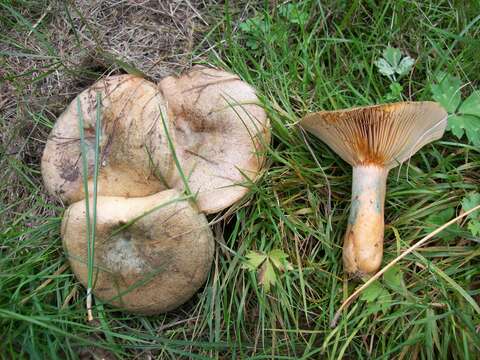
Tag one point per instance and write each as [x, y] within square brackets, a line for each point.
[135, 159]
[150, 266]
[385, 135]
[220, 132]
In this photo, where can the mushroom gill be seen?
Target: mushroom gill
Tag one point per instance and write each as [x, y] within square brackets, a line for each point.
[373, 140]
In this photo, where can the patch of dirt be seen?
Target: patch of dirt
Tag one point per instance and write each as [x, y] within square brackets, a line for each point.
[52, 50]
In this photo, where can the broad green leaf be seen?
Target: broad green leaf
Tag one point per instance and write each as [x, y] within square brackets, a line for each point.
[395, 92]
[405, 65]
[393, 277]
[468, 203]
[279, 259]
[254, 260]
[373, 291]
[395, 88]
[468, 124]
[447, 93]
[392, 56]
[392, 63]
[253, 44]
[377, 296]
[267, 276]
[474, 227]
[293, 13]
[384, 67]
[471, 105]
[385, 299]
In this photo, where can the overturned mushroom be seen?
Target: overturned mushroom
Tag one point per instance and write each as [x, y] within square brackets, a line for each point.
[221, 131]
[134, 155]
[374, 140]
[151, 253]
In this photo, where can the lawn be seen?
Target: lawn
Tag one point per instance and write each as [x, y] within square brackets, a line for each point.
[301, 57]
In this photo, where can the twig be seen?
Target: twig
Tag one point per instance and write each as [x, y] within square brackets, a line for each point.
[394, 261]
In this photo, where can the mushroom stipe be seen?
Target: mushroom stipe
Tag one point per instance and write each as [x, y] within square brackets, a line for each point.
[373, 140]
[204, 130]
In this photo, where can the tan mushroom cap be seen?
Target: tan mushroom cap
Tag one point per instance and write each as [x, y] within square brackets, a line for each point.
[220, 131]
[152, 265]
[385, 135]
[134, 154]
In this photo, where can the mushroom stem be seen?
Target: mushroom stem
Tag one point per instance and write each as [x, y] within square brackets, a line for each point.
[363, 243]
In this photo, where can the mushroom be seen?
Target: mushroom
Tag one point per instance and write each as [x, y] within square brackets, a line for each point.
[151, 258]
[373, 140]
[220, 129]
[134, 155]
[151, 253]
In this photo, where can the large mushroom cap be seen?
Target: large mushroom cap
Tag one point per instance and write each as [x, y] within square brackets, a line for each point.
[221, 131]
[151, 254]
[384, 135]
[134, 156]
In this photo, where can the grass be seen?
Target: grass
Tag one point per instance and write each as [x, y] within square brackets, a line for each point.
[422, 311]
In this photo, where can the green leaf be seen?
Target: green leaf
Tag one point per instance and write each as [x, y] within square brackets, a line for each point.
[465, 124]
[405, 66]
[385, 300]
[293, 13]
[393, 277]
[471, 105]
[396, 89]
[372, 292]
[447, 92]
[255, 25]
[254, 260]
[392, 63]
[279, 259]
[384, 67]
[392, 56]
[395, 92]
[377, 296]
[468, 203]
[253, 44]
[267, 276]
[474, 227]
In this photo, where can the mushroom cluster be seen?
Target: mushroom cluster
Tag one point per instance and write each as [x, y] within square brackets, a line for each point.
[203, 132]
[374, 140]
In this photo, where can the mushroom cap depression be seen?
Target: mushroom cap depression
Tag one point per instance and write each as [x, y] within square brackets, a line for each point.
[151, 254]
[135, 159]
[384, 135]
[220, 131]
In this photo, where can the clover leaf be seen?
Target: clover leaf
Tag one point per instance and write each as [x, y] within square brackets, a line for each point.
[267, 265]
